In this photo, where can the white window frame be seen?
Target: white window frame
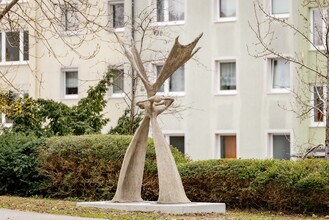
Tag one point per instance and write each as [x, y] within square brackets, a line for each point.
[219, 19]
[111, 3]
[119, 94]
[217, 62]
[172, 133]
[21, 60]
[269, 77]
[166, 83]
[167, 22]
[318, 123]
[64, 71]
[3, 121]
[312, 45]
[269, 138]
[218, 134]
[283, 15]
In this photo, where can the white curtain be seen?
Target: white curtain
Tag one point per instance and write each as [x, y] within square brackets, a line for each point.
[317, 30]
[280, 7]
[227, 76]
[227, 8]
[177, 81]
[176, 10]
[71, 79]
[280, 73]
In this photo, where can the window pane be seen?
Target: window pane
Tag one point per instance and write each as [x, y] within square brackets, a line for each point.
[12, 46]
[227, 8]
[158, 69]
[317, 27]
[118, 15]
[69, 18]
[71, 83]
[318, 104]
[160, 10]
[178, 142]
[280, 7]
[177, 81]
[26, 45]
[118, 82]
[176, 10]
[281, 147]
[227, 76]
[228, 146]
[280, 74]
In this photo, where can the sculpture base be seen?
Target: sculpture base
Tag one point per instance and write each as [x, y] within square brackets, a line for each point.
[185, 208]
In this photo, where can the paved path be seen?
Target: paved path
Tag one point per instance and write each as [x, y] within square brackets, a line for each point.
[6, 214]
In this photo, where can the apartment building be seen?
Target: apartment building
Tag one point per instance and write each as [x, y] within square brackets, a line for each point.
[229, 104]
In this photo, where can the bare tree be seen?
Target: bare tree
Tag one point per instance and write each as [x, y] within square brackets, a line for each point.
[318, 71]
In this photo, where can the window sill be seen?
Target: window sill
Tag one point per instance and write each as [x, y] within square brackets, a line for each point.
[168, 23]
[227, 93]
[7, 125]
[119, 30]
[317, 124]
[14, 63]
[117, 96]
[226, 20]
[175, 94]
[283, 16]
[279, 91]
[320, 47]
[71, 97]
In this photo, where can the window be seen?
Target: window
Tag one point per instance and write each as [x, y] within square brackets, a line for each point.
[175, 84]
[226, 71]
[279, 70]
[226, 144]
[170, 10]
[280, 146]
[318, 26]
[318, 105]
[118, 82]
[280, 7]
[178, 142]
[226, 10]
[71, 84]
[5, 121]
[116, 14]
[14, 46]
[69, 17]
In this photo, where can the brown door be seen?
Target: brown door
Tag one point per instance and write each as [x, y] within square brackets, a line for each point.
[230, 146]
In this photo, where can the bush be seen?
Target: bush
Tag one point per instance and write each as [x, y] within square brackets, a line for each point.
[88, 166]
[19, 167]
[294, 186]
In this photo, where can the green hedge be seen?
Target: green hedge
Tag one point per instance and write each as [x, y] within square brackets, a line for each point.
[88, 166]
[19, 166]
[293, 186]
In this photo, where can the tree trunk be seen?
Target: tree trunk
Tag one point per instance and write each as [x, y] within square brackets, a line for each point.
[327, 113]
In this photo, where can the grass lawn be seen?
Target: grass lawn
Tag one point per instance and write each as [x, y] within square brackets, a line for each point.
[69, 208]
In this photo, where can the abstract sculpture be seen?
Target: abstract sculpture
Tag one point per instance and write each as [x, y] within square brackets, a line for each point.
[171, 189]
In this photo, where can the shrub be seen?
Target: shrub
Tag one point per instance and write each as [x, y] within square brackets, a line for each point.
[88, 166]
[294, 186]
[19, 174]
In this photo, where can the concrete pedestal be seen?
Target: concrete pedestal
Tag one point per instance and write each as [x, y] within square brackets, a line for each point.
[185, 208]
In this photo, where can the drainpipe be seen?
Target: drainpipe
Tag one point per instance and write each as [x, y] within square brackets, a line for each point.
[133, 81]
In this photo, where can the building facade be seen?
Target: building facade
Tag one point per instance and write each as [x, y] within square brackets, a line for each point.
[229, 104]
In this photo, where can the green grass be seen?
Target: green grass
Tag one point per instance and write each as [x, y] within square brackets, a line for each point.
[66, 207]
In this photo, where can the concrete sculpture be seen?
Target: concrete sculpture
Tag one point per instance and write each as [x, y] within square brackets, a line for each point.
[171, 189]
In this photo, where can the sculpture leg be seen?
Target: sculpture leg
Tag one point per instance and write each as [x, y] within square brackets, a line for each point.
[131, 173]
[171, 189]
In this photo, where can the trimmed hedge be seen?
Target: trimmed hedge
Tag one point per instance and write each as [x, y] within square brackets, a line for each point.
[19, 166]
[88, 166]
[281, 185]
